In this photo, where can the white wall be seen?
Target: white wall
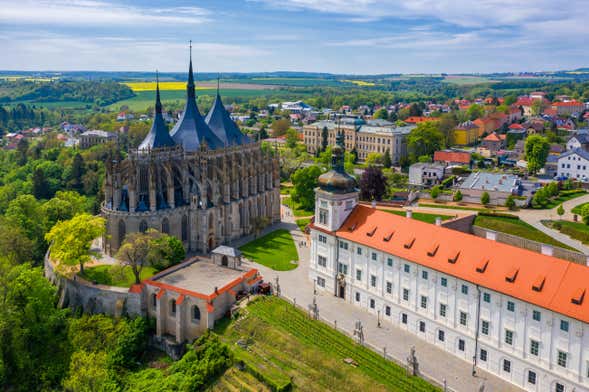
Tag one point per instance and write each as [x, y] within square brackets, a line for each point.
[575, 167]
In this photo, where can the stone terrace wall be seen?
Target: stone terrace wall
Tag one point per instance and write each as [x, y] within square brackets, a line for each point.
[77, 293]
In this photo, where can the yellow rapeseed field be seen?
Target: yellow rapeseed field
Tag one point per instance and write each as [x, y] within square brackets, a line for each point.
[150, 86]
[361, 83]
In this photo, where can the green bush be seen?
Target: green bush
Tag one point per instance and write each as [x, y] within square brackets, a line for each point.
[448, 182]
[501, 214]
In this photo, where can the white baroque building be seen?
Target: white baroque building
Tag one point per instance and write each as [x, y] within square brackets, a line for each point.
[520, 315]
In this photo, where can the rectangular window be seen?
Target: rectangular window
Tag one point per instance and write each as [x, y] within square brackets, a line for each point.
[390, 261]
[536, 315]
[424, 274]
[564, 325]
[358, 274]
[359, 250]
[387, 310]
[444, 282]
[421, 326]
[464, 289]
[463, 317]
[404, 318]
[508, 337]
[507, 366]
[562, 359]
[461, 344]
[532, 377]
[424, 302]
[322, 261]
[372, 304]
[559, 387]
[441, 335]
[343, 245]
[322, 238]
[320, 282]
[357, 297]
[484, 327]
[374, 256]
[510, 306]
[405, 294]
[534, 347]
[389, 288]
[483, 355]
[373, 280]
[323, 216]
[342, 268]
[487, 297]
[443, 310]
[406, 268]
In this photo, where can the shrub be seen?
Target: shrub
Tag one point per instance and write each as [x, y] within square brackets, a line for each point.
[457, 196]
[435, 192]
[485, 198]
[510, 202]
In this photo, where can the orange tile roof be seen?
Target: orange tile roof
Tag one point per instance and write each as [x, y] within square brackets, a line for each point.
[452, 156]
[542, 280]
[569, 103]
[419, 119]
[492, 137]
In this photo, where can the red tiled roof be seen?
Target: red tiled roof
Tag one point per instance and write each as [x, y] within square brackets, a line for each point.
[418, 119]
[452, 156]
[492, 137]
[516, 126]
[542, 280]
[569, 103]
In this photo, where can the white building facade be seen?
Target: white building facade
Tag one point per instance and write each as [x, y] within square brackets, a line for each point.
[512, 313]
[574, 164]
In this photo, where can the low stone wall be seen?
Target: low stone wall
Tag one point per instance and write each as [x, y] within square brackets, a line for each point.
[463, 224]
[535, 246]
[77, 293]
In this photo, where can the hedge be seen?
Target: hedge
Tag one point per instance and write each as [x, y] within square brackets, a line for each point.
[498, 214]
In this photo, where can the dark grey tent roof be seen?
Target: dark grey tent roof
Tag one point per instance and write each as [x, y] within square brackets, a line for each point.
[158, 136]
[220, 122]
[191, 130]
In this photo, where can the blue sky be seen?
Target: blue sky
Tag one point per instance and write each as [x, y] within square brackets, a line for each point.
[337, 36]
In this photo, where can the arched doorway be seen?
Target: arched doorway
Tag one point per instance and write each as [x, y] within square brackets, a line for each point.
[224, 261]
[211, 242]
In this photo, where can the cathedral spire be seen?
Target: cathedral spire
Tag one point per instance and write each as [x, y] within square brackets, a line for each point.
[218, 82]
[158, 102]
[190, 87]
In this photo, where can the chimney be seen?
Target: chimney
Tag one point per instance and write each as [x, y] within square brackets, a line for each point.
[546, 250]
[438, 221]
[373, 203]
[409, 214]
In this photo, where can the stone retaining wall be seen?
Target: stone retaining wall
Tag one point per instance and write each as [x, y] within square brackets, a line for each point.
[78, 293]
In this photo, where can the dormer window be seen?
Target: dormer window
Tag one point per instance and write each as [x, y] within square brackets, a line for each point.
[512, 275]
[578, 297]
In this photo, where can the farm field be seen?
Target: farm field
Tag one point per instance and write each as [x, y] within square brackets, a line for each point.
[206, 85]
[284, 346]
[465, 80]
[294, 82]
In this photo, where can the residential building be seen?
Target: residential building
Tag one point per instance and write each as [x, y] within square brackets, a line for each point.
[520, 315]
[426, 174]
[494, 142]
[578, 140]
[568, 107]
[498, 186]
[94, 137]
[363, 136]
[466, 133]
[574, 164]
[451, 157]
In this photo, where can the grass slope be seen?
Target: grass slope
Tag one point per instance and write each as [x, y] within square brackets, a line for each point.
[576, 230]
[101, 275]
[275, 250]
[517, 227]
[284, 344]
[577, 209]
[421, 216]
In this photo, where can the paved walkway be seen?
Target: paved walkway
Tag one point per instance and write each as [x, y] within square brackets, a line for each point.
[433, 362]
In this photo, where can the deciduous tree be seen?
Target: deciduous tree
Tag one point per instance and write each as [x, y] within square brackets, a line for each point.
[536, 150]
[372, 184]
[304, 182]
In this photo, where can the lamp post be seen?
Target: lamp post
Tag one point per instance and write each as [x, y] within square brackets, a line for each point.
[315, 286]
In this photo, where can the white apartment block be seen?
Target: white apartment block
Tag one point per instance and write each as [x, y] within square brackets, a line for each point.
[574, 164]
[520, 315]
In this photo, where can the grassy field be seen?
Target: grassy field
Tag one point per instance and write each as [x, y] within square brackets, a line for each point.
[281, 343]
[421, 216]
[466, 80]
[296, 209]
[102, 275]
[275, 250]
[517, 227]
[451, 207]
[577, 209]
[576, 230]
[554, 202]
[302, 223]
[234, 380]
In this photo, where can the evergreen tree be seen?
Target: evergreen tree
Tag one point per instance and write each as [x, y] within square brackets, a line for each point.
[22, 147]
[40, 184]
[77, 172]
[324, 136]
[386, 159]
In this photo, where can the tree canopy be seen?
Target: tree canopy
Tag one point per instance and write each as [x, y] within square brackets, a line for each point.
[424, 139]
[536, 150]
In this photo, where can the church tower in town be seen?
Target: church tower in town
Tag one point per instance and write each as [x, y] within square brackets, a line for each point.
[337, 194]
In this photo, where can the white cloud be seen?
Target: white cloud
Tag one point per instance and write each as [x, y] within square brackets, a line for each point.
[94, 13]
[47, 51]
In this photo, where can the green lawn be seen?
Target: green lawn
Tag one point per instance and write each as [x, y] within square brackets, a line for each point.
[451, 207]
[296, 208]
[422, 216]
[517, 227]
[577, 209]
[576, 230]
[275, 250]
[552, 203]
[302, 223]
[284, 344]
[101, 275]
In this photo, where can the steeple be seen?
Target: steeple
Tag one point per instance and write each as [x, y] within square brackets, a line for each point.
[158, 136]
[337, 180]
[191, 130]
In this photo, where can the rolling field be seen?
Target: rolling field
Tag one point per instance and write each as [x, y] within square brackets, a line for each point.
[466, 80]
[206, 85]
